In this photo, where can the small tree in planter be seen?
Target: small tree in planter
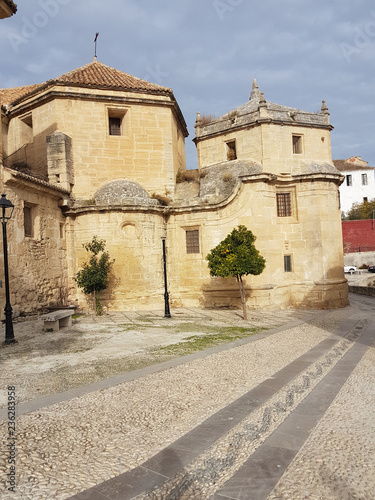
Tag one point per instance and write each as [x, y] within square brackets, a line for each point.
[236, 256]
[94, 275]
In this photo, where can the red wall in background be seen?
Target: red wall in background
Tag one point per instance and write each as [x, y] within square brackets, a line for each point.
[358, 235]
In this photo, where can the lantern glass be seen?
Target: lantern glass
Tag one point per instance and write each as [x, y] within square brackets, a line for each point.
[6, 209]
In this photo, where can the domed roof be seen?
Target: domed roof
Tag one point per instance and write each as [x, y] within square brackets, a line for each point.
[123, 192]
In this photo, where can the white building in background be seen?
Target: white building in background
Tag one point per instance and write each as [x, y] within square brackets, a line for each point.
[359, 183]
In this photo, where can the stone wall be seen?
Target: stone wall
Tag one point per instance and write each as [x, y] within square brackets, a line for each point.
[362, 290]
[312, 237]
[133, 240]
[270, 145]
[150, 149]
[115, 183]
[37, 263]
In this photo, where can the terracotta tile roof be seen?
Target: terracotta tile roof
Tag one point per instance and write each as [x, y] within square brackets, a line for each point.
[7, 96]
[351, 165]
[92, 75]
[96, 74]
[36, 180]
[11, 5]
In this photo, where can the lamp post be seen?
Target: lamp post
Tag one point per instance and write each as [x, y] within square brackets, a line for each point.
[6, 212]
[167, 313]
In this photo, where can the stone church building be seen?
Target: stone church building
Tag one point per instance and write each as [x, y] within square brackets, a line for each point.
[97, 151]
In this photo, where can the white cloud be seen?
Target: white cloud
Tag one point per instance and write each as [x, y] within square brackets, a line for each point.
[294, 49]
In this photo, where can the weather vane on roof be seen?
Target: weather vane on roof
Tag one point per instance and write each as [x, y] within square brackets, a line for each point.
[95, 41]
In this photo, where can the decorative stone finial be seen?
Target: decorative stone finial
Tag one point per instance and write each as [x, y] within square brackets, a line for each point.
[198, 121]
[262, 101]
[324, 108]
[254, 91]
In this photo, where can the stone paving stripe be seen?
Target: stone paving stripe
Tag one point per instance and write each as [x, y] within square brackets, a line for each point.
[118, 489]
[173, 458]
[261, 472]
[40, 403]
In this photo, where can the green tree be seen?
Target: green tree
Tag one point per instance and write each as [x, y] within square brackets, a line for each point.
[364, 210]
[94, 275]
[236, 256]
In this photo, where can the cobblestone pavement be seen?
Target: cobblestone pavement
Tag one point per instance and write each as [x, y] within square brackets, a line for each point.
[96, 348]
[198, 426]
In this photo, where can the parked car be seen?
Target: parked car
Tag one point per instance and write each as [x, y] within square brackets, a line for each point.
[350, 269]
[371, 269]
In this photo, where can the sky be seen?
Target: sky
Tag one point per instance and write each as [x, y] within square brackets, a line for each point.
[209, 52]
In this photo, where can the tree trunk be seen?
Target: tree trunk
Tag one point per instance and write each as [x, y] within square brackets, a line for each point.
[243, 295]
[98, 304]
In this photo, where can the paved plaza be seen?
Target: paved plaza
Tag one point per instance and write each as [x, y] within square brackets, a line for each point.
[125, 406]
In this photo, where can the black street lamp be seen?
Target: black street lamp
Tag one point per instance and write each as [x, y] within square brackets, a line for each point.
[6, 212]
[167, 312]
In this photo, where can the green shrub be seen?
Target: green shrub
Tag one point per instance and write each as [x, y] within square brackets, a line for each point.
[94, 275]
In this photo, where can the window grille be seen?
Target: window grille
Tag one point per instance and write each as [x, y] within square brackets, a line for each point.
[192, 241]
[284, 207]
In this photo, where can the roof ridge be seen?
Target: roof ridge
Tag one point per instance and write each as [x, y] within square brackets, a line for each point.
[94, 74]
[64, 78]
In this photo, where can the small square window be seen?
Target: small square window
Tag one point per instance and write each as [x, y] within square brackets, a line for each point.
[114, 125]
[364, 179]
[28, 120]
[116, 121]
[28, 221]
[288, 263]
[297, 144]
[192, 241]
[231, 151]
[284, 206]
[349, 181]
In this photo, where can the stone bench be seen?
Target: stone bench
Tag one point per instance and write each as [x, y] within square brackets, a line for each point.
[57, 319]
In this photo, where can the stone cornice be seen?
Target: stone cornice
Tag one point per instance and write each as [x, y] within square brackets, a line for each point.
[258, 122]
[336, 178]
[206, 206]
[20, 106]
[82, 210]
[293, 179]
